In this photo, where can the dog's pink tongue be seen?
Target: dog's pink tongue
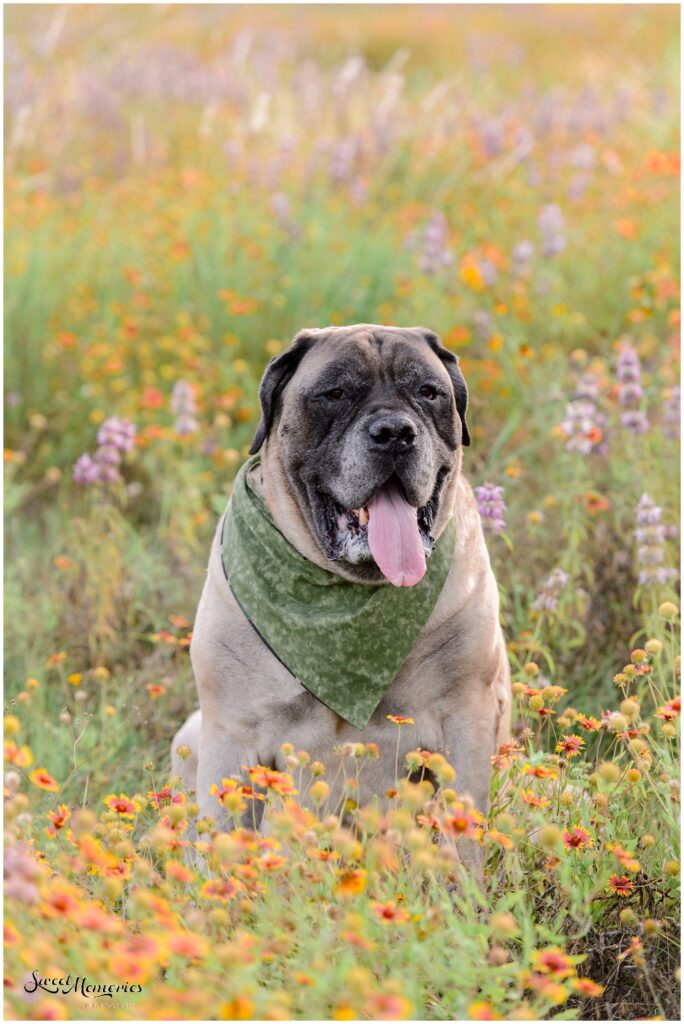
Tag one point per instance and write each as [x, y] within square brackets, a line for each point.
[394, 537]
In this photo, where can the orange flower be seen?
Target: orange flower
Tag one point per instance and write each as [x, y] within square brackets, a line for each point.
[552, 961]
[230, 795]
[506, 755]
[164, 797]
[155, 690]
[528, 797]
[92, 851]
[21, 757]
[389, 912]
[400, 720]
[222, 889]
[570, 746]
[241, 1007]
[351, 882]
[132, 969]
[387, 1006]
[55, 659]
[578, 839]
[588, 722]
[61, 901]
[94, 919]
[122, 805]
[11, 935]
[179, 621]
[271, 862]
[464, 821]
[539, 771]
[587, 987]
[179, 872]
[481, 1010]
[59, 819]
[625, 857]
[279, 782]
[621, 886]
[41, 777]
[188, 945]
[504, 841]
[670, 711]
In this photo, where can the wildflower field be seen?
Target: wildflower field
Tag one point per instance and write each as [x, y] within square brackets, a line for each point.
[186, 187]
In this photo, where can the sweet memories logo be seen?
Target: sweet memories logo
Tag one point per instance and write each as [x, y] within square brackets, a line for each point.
[80, 985]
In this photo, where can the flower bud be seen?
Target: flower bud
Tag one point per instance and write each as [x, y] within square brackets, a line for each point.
[549, 837]
[630, 709]
[609, 771]
[668, 610]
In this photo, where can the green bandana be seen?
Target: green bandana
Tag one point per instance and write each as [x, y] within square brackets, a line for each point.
[345, 642]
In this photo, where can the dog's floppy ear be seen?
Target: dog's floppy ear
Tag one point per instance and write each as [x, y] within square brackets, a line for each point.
[457, 379]
[276, 375]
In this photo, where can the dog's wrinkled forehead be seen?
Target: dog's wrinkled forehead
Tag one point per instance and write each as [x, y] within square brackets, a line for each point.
[368, 348]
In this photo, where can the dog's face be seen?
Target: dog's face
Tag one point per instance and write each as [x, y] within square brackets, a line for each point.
[369, 423]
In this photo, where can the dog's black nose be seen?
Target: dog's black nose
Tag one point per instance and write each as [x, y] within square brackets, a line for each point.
[393, 432]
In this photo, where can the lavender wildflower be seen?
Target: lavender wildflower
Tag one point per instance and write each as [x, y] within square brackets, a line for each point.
[630, 392]
[118, 433]
[435, 254]
[343, 158]
[281, 210]
[551, 223]
[551, 589]
[86, 471]
[584, 425]
[671, 412]
[21, 872]
[184, 407]
[114, 437]
[492, 507]
[650, 534]
[521, 258]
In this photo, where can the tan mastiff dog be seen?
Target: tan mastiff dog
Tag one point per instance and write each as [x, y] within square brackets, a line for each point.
[358, 421]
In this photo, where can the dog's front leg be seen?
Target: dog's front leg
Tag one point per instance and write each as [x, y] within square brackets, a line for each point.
[223, 755]
[470, 741]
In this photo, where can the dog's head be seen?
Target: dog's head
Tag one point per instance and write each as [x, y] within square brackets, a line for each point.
[369, 422]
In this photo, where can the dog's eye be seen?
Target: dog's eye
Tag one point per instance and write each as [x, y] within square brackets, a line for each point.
[335, 394]
[427, 391]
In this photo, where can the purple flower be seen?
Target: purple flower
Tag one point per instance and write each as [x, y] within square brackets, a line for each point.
[86, 470]
[114, 437]
[433, 244]
[650, 536]
[630, 393]
[184, 406]
[628, 366]
[492, 507]
[521, 258]
[584, 425]
[20, 871]
[551, 589]
[551, 223]
[118, 433]
[671, 412]
[635, 421]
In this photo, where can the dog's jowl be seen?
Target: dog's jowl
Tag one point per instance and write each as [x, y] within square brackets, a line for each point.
[349, 578]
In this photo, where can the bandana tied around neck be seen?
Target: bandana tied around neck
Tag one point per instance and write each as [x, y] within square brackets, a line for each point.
[344, 642]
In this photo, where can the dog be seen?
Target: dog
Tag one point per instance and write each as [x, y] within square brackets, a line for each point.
[357, 420]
